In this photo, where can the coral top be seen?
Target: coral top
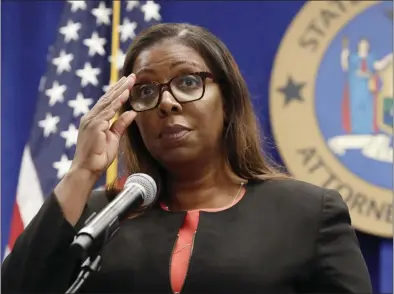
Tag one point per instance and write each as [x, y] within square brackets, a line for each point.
[184, 244]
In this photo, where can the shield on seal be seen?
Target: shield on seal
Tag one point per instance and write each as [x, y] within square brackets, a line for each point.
[385, 98]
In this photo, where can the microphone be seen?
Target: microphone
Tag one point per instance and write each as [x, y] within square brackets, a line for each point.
[139, 188]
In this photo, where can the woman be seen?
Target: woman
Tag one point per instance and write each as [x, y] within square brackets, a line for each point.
[226, 221]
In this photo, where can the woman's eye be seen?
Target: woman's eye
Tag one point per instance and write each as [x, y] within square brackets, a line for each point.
[145, 91]
[189, 81]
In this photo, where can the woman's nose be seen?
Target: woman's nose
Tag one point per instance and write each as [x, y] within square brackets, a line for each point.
[169, 104]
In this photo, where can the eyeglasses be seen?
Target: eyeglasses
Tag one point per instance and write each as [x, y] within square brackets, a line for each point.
[184, 88]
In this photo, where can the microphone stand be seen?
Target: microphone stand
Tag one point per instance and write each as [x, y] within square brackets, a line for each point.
[93, 259]
[90, 265]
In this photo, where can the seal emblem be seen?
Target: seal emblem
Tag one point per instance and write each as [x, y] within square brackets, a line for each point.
[331, 105]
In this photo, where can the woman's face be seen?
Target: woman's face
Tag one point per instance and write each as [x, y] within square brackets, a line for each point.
[176, 133]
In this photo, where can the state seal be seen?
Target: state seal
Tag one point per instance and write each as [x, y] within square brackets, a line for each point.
[331, 105]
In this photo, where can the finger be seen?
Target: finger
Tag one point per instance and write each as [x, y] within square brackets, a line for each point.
[104, 125]
[109, 112]
[114, 87]
[106, 115]
[127, 84]
[102, 102]
[122, 123]
[95, 126]
[107, 99]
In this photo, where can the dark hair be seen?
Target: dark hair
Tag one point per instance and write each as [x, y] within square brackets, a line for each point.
[241, 135]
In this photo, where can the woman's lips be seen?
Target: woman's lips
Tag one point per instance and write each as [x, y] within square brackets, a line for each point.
[173, 131]
[175, 135]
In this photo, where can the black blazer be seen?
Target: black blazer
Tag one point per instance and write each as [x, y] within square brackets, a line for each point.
[283, 236]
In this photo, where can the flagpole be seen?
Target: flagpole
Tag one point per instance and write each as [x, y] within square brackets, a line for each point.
[112, 171]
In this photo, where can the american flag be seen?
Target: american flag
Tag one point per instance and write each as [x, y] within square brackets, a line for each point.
[78, 71]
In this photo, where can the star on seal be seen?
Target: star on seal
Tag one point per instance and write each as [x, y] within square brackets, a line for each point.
[292, 90]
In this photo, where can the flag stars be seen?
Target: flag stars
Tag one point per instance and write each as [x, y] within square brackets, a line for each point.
[76, 5]
[88, 75]
[105, 88]
[151, 11]
[70, 31]
[95, 44]
[131, 5]
[62, 166]
[80, 105]
[70, 136]
[49, 124]
[102, 14]
[68, 89]
[127, 30]
[62, 62]
[119, 60]
[56, 93]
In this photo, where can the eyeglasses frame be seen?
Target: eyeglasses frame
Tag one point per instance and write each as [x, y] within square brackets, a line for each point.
[167, 86]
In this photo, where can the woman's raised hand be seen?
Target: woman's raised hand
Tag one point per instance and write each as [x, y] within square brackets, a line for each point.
[98, 140]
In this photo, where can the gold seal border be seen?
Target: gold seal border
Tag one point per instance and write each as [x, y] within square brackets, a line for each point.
[295, 126]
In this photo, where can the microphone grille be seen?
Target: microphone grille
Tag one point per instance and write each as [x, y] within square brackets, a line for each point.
[147, 183]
